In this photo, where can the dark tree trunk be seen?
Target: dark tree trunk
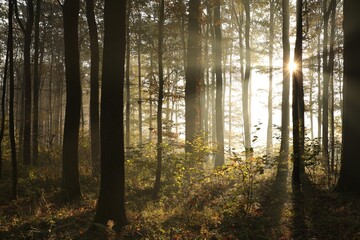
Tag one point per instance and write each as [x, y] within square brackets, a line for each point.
[111, 203]
[36, 83]
[349, 180]
[326, 78]
[27, 30]
[94, 91]
[159, 147]
[219, 159]
[70, 167]
[298, 99]
[285, 105]
[3, 110]
[11, 102]
[194, 76]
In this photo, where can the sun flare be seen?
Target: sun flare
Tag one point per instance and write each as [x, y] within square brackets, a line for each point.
[292, 66]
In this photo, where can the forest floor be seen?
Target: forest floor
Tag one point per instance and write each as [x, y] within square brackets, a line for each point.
[212, 210]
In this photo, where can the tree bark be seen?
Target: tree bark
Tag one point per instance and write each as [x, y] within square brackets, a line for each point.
[269, 143]
[127, 110]
[194, 76]
[111, 203]
[27, 30]
[219, 159]
[285, 104]
[70, 167]
[159, 146]
[246, 82]
[349, 180]
[11, 102]
[36, 84]
[298, 99]
[94, 90]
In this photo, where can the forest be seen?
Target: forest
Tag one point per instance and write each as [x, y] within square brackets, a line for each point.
[179, 119]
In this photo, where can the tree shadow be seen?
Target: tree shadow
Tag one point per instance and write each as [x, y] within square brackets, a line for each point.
[266, 220]
[276, 200]
[299, 229]
[323, 214]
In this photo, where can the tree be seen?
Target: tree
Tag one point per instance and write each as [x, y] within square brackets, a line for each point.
[160, 101]
[3, 110]
[269, 143]
[111, 202]
[326, 78]
[127, 77]
[193, 76]
[285, 104]
[36, 83]
[349, 180]
[246, 81]
[219, 160]
[10, 48]
[27, 30]
[298, 99]
[94, 91]
[70, 161]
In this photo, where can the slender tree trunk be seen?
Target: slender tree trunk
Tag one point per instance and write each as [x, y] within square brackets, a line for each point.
[219, 160]
[127, 113]
[36, 84]
[3, 110]
[269, 143]
[94, 90]
[246, 82]
[311, 104]
[326, 77]
[27, 30]
[11, 102]
[285, 105]
[151, 129]
[157, 184]
[139, 82]
[298, 99]
[230, 95]
[319, 81]
[70, 168]
[331, 71]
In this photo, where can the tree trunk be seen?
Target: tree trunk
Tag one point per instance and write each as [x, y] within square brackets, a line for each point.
[94, 90]
[269, 143]
[194, 76]
[111, 203]
[127, 110]
[219, 159]
[331, 71]
[139, 82]
[27, 30]
[159, 146]
[285, 104]
[246, 82]
[298, 99]
[326, 78]
[70, 168]
[3, 102]
[10, 48]
[349, 180]
[36, 83]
